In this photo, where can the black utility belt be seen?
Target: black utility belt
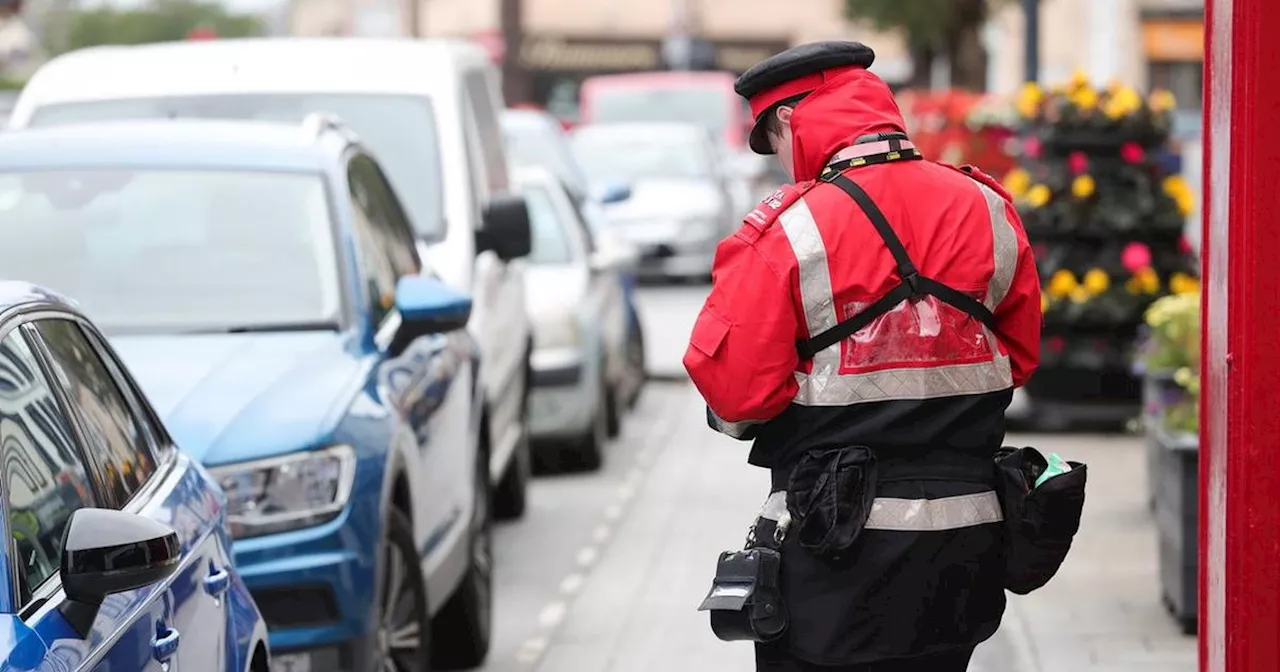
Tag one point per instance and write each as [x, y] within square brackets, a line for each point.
[830, 500]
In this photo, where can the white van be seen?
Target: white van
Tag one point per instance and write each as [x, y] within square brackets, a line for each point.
[428, 109]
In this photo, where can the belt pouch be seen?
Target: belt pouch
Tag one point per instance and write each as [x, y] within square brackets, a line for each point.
[745, 601]
[1040, 522]
[830, 495]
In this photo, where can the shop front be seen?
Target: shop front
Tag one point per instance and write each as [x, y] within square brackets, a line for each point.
[553, 66]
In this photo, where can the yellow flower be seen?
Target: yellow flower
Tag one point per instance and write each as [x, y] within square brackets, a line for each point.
[1061, 284]
[1039, 195]
[1079, 79]
[1017, 181]
[1083, 186]
[1085, 98]
[1028, 100]
[1162, 101]
[1080, 295]
[1145, 281]
[1181, 283]
[1183, 376]
[1096, 281]
[1044, 303]
[1176, 188]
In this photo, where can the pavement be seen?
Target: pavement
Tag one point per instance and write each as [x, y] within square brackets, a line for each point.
[605, 571]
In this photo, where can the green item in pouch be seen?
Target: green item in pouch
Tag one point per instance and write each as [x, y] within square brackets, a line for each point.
[1057, 465]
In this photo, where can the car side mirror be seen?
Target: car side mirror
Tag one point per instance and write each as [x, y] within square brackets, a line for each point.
[506, 229]
[105, 551]
[614, 193]
[428, 306]
[614, 255]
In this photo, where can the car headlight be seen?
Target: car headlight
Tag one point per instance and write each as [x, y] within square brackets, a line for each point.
[287, 493]
[551, 334]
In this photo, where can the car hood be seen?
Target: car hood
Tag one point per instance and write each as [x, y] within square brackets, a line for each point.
[667, 198]
[232, 397]
[552, 290]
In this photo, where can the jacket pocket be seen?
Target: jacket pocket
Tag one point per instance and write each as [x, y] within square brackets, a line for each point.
[709, 333]
[830, 494]
[1040, 522]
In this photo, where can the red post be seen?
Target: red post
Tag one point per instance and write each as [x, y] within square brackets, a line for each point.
[1240, 432]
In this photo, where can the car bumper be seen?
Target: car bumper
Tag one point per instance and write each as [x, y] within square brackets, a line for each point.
[561, 400]
[315, 587]
[676, 259]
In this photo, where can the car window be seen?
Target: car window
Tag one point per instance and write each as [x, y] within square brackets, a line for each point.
[551, 243]
[397, 234]
[114, 438]
[166, 250]
[45, 476]
[399, 129]
[378, 267]
[609, 156]
[485, 111]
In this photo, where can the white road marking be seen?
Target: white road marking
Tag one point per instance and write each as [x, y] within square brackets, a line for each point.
[587, 556]
[531, 649]
[571, 584]
[552, 614]
[601, 533]
[635, 475]
[612, 512]
[626, 492]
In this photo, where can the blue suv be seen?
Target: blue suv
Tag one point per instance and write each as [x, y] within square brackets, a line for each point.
[118, 555]
[263, 283]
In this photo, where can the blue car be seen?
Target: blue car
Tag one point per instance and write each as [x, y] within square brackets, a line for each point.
[262, 282]
[119, 555]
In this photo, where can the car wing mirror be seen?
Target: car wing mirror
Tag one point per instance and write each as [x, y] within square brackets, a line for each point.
[428, 306]
[105, 551]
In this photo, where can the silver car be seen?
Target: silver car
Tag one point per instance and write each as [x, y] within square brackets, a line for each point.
[582, 377]
[680, 206]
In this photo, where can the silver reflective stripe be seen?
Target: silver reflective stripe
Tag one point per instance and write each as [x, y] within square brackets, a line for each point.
[774, 506]
[735, 430]
[824, 385]
[932, 515]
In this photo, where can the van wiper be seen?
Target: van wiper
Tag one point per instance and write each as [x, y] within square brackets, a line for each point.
[322, 325]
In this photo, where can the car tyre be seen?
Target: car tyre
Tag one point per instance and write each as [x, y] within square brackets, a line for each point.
[512, 494]
[403, 638]
[588, 455]
[463, 630]
[636, 367]
[613, 411]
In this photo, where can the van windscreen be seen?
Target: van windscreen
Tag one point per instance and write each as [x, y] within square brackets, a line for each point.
[707, 107]
[399, 130]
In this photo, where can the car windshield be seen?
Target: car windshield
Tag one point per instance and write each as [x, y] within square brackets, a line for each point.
[531, 146]
[707, 107]
[632, 157]
[550, 240]
[165, 251]
[399, 130]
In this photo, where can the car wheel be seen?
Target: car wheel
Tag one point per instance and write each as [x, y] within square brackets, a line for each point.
[402, 642]
[464, 628]
[512, 494]
[636, 366]
[588, 455]
[613, 411]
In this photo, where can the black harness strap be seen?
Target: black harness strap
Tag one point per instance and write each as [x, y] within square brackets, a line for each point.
[913, 285]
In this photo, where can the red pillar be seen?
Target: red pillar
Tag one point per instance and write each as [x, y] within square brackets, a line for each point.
[1240, 411]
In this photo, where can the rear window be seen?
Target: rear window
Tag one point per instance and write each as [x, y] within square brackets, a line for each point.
[710, 107]
[399, 130]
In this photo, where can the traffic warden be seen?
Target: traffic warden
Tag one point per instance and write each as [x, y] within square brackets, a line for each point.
[866, 328]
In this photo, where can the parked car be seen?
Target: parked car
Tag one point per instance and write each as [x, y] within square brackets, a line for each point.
[470, 227]
[584, 365]
[679, 208]
[536, 139]
[262, 282]
[120, 557]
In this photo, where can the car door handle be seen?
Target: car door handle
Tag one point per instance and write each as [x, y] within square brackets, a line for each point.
[165, 644]
[217, 582]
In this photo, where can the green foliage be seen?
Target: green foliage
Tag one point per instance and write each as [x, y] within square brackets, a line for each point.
[7, 84]
[161, 21]
[925, 23]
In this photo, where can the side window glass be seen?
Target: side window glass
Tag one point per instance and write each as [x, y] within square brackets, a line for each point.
[398, 232]
[584, 229]
[153, 430]
[45, 477]
[379, 271]
[484, 109]
[114, 439]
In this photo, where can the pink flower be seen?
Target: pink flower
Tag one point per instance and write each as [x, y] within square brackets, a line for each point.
[1031, 147]
[1135, 257]
[1077, 163]
[1132, 152]
[1184, 245]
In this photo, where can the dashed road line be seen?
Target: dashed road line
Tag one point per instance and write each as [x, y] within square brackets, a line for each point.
[601, 533]
[552, 614]
[572, 584]
[587, 556]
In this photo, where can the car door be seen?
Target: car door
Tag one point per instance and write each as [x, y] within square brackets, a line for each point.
[501, 283]
[180, 622]
[436, 441]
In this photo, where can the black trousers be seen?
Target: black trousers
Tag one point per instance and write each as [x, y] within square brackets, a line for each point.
[769, 659]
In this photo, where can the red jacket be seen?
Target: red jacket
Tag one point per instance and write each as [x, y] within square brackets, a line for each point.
[807, 258]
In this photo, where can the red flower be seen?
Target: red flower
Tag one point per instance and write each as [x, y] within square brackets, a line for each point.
[1184, 245]
[1132, 152]
[1135, 257]
[1031, 147]
[1077, 163]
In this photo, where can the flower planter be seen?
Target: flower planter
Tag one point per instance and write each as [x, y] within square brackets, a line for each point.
[1176, 478]
[1159, 393]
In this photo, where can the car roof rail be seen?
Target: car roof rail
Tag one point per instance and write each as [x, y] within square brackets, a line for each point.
[316, 124]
